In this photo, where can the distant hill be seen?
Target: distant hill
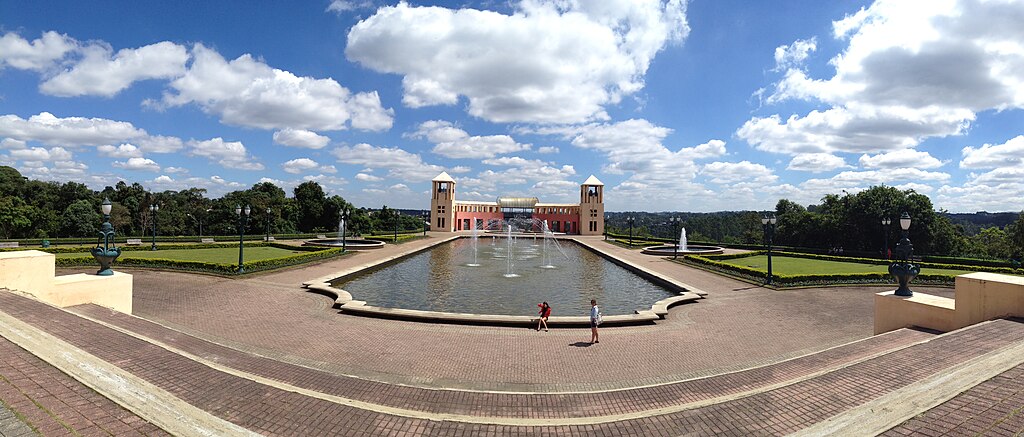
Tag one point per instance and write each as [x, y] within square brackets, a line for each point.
[975, 222]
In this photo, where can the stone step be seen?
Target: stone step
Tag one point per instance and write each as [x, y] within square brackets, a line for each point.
[266, 405]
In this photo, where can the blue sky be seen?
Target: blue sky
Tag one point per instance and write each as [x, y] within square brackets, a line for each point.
[675, 106]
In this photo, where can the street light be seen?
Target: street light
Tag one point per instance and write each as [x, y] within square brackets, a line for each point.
[903, 270]
[426, 222]
[676, 221]
[605, 228]
[630, 220]
[344, 229]
[107, 253]
[243, 221]
[886, 221]
[154, 208]
[768, 222]
[267, 237]
[397, 214]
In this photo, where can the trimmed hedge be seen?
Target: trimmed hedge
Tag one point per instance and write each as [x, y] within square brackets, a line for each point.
[219, 268]
[169, 246]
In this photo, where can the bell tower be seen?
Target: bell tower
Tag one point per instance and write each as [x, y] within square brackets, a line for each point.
[592, 207]
[442, 203]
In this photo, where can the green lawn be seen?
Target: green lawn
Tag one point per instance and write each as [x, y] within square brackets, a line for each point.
[226, 255]
[785, 265]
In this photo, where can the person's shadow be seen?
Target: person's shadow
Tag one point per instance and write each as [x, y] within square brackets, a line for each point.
[580, 344]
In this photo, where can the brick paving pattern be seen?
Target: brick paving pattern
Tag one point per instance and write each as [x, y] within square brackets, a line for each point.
[272, 411]
[11, 425]
[992, 408]
[739, 326]
[53, 404]
[533, 405]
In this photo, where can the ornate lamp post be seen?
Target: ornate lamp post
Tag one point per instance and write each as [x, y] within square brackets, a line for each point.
[154, 208]
[243, 221]
[630, 221]
[426, 222]
[676, 221]
[605, 230]
[397, 216]
[903, 270]
[107, 253]
[768, 222]
[267, 237]
[886, 221]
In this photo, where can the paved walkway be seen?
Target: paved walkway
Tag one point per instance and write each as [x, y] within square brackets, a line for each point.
[738, 326]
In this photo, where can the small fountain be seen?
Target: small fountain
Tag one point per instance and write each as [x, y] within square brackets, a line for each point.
[547, 236]
[475, 262]
[344, 241]
[510, 256]
[683, 248]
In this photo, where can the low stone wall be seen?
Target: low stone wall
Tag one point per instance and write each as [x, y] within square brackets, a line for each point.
[979, 297]
[33, 272]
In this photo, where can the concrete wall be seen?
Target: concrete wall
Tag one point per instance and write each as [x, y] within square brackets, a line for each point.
[979, 297]
[33, 272]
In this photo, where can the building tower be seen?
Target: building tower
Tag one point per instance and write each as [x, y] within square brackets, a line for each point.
[442, 203]
[592, 207]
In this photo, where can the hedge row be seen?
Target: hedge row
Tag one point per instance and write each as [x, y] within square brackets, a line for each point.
[168, 246]
[122, 239]
[200, 266]
[811, 279]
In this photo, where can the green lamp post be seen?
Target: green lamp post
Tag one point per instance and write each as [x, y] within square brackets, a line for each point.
[768, 223]
[243, 221]
[154, 208]
[107, 253]
[426, 222]
[903, 270]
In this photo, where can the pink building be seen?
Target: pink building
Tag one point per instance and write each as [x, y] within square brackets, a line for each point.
[450, 215]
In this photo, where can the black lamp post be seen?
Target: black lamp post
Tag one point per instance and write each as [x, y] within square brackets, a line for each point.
[886, 221]
[676, 221]
[267, 237]
[605, 230]
[903, 270]
[630, 220]
[107, 253]
[243, 221]
[426, 222]
[344, 229]
[768, 222]
[154, 208]
[397, 216]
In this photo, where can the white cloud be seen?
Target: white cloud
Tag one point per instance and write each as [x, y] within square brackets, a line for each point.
[300, 138]
[911, 70]
[11, 143]
[49, 129]
[305, 165]
[41, 154]
[368, 177]
[899, 159]
[1008, 154]
[123, 151]
[459, 169]
[215, 185]
[160, 144]
[734, 172]
[452, 142]
[248, 92]
[340, 6]
[793, 55]
[547, 149]
[39, 55]
[548, 62]
[399, 163]
[176, 170]
[100, 72]
[140, 164]
[816, 162]
[228, 154]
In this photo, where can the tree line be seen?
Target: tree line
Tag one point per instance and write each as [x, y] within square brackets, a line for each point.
[37, 209]
[849, 221]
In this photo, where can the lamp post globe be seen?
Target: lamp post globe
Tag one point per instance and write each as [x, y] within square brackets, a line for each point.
[426, 222]
[106, 253]
[154, 208]
[886, 221]
[267, 236]
[904, 270]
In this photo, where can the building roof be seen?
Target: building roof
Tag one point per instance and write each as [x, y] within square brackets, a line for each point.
[443, 177]
[593, 181]
[517, 202]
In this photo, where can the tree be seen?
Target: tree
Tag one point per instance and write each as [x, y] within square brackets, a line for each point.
[15, 217]
[12, 182]
[80, 219]
[1015, 235]
[310, 199]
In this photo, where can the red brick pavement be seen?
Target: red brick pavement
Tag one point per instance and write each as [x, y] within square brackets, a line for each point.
[54, 404]
[273, 411]
[505, 404]
[739, 326]
[992, 408]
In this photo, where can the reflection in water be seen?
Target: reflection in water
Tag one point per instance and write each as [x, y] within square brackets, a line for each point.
[439, 280]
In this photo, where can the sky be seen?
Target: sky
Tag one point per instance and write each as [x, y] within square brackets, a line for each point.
[700, 106]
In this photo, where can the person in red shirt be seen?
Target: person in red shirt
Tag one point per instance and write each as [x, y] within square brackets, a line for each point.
[545, 312]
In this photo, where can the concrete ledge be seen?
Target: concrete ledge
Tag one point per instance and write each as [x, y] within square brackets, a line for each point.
[924, 310]
[27, 271]
[109, 291]
[361, 308]
[979, 297]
